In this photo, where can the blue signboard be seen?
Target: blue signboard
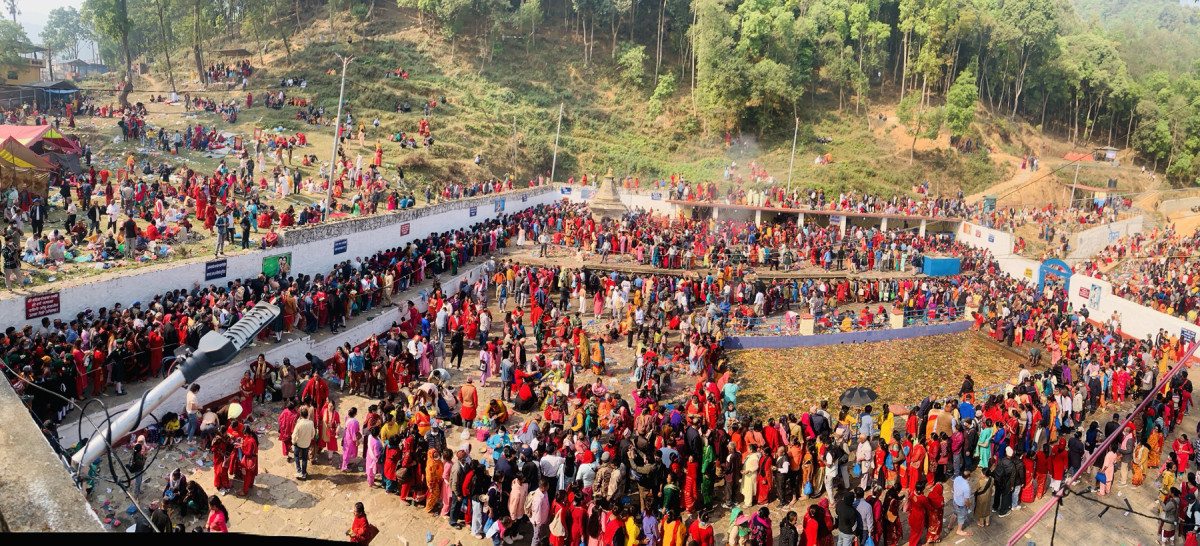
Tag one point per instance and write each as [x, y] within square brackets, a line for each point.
[215, 269]
[500, 205]
[524, 198]
[565, 190]
[474, 211]
[656, 196]
[339, 246]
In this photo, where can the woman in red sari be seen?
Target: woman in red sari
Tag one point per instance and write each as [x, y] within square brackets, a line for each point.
[766, 476]
[220, 455]
[1029, 489]
[210, 218]
[937, 508]
[248, 453]
[916, 466]
[247, 392]
[918, 514]
[691, 484]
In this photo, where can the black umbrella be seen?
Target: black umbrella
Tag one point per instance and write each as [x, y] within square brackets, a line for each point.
[858, 396]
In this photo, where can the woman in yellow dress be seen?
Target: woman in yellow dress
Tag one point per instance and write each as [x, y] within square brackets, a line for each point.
[887, 424]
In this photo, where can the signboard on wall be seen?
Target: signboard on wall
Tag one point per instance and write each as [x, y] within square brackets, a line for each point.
[1084, 292]
[474, 211]
[500, 205]
[215, 269]
[42, 305]
[405, 228]
[272, 265]
[565, 190]
[1094, 298]
[524, 198]
[656, 196]
[1187, 336]
[339, 246]
[586, 193]
[1028, 273]
[991, 238]
[835, 219]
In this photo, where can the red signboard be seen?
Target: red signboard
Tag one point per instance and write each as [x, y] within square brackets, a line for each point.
[1084, 292]
[405, 229]
[41, 305]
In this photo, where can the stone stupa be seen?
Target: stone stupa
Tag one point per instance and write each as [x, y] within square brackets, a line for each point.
[607, 202]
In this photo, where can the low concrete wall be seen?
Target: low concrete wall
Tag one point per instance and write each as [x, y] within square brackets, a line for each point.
[1176, 205]
[868, 336]
[311, 249]
[1087, 244]
[37, 494]
[1000, 243]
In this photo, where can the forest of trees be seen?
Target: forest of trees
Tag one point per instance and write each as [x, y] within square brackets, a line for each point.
[754, 65]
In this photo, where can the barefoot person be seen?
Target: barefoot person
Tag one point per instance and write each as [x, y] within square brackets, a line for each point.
[962, 502]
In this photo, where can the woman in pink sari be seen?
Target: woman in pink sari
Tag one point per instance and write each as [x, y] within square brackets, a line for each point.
[374, 450]
[350, 438]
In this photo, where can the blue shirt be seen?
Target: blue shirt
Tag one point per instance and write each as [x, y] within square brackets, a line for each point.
[866, 426]
[356, 362]
[966, 411]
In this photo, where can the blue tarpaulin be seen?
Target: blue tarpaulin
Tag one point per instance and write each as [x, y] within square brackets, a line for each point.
[940, 267]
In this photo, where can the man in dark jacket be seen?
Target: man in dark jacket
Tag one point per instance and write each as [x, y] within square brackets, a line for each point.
[847, 516]
[1004, 476]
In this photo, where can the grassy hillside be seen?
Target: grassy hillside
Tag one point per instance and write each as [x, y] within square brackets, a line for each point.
[606, 123]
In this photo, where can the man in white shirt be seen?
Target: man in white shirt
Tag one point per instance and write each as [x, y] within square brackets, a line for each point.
[193, 412]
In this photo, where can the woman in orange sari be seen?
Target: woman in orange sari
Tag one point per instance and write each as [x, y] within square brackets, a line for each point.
[1141, 455]
[1155, 443]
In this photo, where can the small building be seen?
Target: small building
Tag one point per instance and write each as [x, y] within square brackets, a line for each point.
[28, 70]
[1105, 153]
[77, 69]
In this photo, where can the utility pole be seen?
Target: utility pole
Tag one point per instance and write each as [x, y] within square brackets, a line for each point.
[514, 150]
[554, 162]
[337, 131]
[1071, 203]
[795, 134]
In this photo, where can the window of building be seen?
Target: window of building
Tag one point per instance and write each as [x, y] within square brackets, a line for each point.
[12, 75]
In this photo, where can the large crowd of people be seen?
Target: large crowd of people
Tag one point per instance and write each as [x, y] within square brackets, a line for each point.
[574, 460]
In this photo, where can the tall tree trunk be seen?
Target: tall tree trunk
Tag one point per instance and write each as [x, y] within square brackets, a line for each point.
[162, 29]
[692, 35]
[904, 73]
[658, 55]
[1019, 84]
[1129, 128]
[632, 19]
[616, 26]
[1045, 99]
[126, 89]
[196, 41]
[300, 25]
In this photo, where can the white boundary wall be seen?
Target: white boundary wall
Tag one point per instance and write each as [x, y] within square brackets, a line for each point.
[225, 381]
[999, 242]
[1086, 244]
[1136, 320]
[311, 249]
